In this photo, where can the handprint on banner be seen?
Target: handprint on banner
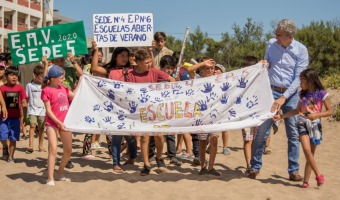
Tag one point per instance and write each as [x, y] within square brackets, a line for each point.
[177, 89]
[129, 91]
[144, 98]
[232, 113]
[89, 119]
[121, 115]
[121, 126]
[96, 107]
[101, 84]
[243, 83]
[109, 106]
[225, 86]
[207, 88]
[214, 113]
[212, 96]
[108, 119]
[144, 90]
[189, 92]
[253, 102]
[224, 99]
[203, 105]
[133, 107]
[239, 99]
[254, 115]
[157, 100]
[165, 94]
[117, 85]
[111, 94]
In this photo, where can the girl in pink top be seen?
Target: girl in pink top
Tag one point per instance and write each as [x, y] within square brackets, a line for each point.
[56, 100]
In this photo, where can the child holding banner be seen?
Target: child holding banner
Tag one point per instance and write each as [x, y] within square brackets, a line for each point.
[206, 68]
[15, 98]
[56, 100]
[117, 69]
[144, 73]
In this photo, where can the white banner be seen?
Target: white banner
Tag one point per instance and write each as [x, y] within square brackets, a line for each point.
[229, 101]
[123, 30]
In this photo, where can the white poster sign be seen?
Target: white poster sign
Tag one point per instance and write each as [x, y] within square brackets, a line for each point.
[123, 30]
[229, 101]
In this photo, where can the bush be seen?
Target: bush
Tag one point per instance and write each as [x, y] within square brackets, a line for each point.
[336, 112]
[331, 81]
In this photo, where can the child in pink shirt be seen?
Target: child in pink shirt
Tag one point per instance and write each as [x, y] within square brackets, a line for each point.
[56, 100]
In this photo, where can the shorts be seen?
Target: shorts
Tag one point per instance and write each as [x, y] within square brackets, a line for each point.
[249, 133]
[302, 129]
[204, 136]
[38, 120]
[10, 129]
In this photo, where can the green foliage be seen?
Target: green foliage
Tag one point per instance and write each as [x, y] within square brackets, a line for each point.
[336, 112]
[331, 81]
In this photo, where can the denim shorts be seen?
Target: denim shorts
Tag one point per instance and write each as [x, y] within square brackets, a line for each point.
[302, 128]
[10, 129]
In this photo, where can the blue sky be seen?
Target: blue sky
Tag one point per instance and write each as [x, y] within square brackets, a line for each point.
[213, 16]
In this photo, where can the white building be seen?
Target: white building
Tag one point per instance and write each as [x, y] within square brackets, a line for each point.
[22, 15]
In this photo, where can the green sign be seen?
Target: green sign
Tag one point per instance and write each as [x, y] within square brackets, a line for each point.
[52, 41]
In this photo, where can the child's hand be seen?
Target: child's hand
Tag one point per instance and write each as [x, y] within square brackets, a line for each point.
[70, 56]
[44, 60]
[276, 117]
[62, 126]
[265, 63]
[94, 45]
[4, 114]
[210, 63]
[312, 116]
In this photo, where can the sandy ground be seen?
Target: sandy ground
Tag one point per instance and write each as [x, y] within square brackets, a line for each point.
[95, 180]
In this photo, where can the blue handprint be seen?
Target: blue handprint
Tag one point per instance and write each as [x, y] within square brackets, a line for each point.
[238, 99]
[117, 85]
[203, 105]
[165, 94]
[89, 119]
[96, 108]
[108, 119]
[157, 99]
[177, 89]
[111, 94]
[214, 113]
[109, 106]
[121, 116]
[208, 88]
[254, 115]
[251, 103]
[189, 92]
[101, 84]
[121, 126]
[225, 86]
[133, 107]
[232, 113]
[129, 91]
[213, 96]
[224, 99]
[144, 90]
[144, 98]
[243, 83]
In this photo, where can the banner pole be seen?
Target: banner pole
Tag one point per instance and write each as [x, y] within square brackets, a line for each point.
[182, 51]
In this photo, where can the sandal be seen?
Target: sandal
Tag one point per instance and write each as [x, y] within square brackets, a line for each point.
[117, 170]
[42, 149]
[63, 178]
[304, 185]
[29, 150]
[320, 180]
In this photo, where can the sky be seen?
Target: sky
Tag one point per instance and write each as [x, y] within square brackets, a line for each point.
[214, 17]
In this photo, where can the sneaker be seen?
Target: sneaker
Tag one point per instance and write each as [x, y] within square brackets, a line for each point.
[252, 174]
[10, 160]
[161, 165]
[88, 157]
[5, 154]
[204, 171]
[196, 161]
[50, 183]
[248, 169]
[304, 185]
[214, 172]
[96, 145]
[295, 177]
[267, 150]
[145, 171]
[320, 180]
[69, 165]
[175, 161]
[226, 151]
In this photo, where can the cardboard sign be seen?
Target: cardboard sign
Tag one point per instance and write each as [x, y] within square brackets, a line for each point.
[52, 41]
[123, 30]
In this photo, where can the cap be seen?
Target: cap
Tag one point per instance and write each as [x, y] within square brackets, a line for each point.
[54, 71]
[221, 67]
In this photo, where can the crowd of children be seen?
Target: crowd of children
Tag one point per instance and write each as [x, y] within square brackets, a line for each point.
[49, 95]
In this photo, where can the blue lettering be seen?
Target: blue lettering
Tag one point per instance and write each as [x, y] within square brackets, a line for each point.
[132, 37]
[101, 38]
[113, 38]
